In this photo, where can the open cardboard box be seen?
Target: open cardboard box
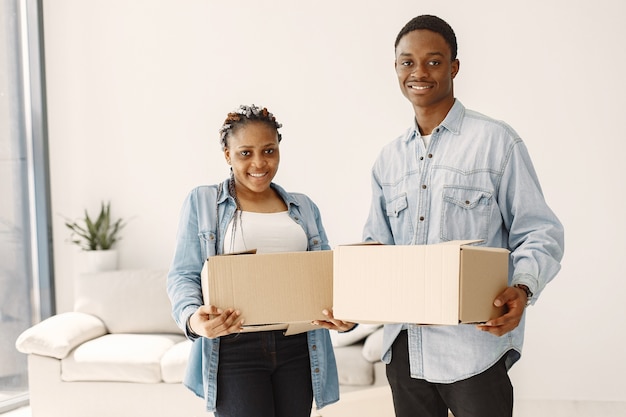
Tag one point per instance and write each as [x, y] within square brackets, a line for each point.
[447, 283]
[273, 291]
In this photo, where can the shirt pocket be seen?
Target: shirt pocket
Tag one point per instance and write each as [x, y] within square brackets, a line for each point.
[399, 217]
[207, 244]
[465, 213]
[396, 205]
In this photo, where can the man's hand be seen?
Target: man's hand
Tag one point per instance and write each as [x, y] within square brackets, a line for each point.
[332, 323]
[212, 322]
[515, 301]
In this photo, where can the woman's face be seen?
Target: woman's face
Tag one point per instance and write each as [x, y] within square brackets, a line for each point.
[252, 152]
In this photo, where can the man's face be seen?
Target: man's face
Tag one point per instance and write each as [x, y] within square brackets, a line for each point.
[425, 69]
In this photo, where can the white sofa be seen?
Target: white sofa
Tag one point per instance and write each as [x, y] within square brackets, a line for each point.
[358, 358]
[119, 353]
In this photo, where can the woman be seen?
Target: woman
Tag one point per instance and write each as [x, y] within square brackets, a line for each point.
[249, 374]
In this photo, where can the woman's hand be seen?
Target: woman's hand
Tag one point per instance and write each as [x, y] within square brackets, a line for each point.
[212, 322]
[332, 323]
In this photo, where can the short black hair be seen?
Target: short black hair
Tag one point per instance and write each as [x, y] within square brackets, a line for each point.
[434, 24]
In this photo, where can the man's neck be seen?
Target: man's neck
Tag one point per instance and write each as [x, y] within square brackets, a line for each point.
[428, 118]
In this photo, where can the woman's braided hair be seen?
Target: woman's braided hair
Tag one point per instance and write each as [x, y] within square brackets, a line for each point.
[243, 115]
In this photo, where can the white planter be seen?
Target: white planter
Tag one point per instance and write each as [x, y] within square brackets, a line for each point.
[100, 260]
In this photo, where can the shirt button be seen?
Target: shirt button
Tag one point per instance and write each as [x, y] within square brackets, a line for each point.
[421, 158]
[430, 155]
[315, 241]
[467, 202]
[421, 218]
[314, 347]
[423, 186]
[317, 370]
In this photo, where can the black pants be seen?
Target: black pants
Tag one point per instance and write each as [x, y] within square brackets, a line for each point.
[489, 394]
[264, 374]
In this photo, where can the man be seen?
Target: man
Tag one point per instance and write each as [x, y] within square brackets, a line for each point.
[457, 174]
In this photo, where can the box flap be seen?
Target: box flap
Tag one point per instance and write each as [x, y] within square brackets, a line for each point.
[245, 252]
[459, 242]
[289, 328]
[369, 242]
[484, 275]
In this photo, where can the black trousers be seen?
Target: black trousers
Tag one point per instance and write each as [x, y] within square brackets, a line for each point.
[489, 394]
[264, 374]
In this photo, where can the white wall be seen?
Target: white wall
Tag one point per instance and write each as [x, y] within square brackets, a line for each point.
[138, 89]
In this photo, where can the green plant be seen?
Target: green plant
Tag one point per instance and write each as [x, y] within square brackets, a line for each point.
[100, 234]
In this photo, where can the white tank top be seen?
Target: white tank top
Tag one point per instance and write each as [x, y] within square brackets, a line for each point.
[265, 232]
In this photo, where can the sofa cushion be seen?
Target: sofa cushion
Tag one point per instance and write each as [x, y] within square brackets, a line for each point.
[127, 301]
[359, 333]
[119, 357]
[373, 346]
[58, 335]
[352, 367]
[174, 362]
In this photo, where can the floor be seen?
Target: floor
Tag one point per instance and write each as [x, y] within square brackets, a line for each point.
[20, 412]
[376, 402]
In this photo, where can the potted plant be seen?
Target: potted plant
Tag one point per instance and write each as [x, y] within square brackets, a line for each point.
[97, 237]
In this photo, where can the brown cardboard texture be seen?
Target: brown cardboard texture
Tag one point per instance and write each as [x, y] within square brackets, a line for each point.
[273, 291]
[447, 283]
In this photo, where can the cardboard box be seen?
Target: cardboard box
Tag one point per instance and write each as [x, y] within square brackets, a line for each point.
[447, 283]
[273, 291]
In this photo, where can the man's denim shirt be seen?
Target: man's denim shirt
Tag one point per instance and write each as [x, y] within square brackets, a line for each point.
[199, 238]
[474, 181]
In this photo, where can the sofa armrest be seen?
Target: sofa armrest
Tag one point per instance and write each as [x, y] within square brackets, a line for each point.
[358, 333]
[56, 336]
[373, 346]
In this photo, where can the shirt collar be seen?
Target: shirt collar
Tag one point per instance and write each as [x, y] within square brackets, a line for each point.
[454, 118]
[451, 122]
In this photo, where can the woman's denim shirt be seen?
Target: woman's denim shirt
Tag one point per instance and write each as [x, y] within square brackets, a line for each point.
[474, 181]
[199, 238]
